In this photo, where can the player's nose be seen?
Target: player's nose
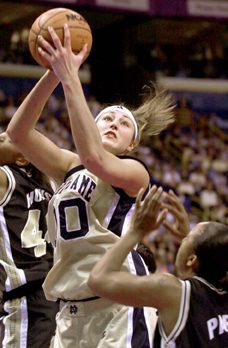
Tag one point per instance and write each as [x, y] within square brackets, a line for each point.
[114, 124]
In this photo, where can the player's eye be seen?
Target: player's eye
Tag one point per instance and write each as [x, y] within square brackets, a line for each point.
[125, 124]
[107, 118]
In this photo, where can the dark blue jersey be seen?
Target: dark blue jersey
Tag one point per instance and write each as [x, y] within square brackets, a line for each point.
[25, 256]
[202, 321]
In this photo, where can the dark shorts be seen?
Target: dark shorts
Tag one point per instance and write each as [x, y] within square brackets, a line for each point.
[28, 321]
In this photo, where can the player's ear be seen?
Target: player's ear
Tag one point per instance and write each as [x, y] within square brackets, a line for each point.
[192, 261]
[131, 146]
[22, 161]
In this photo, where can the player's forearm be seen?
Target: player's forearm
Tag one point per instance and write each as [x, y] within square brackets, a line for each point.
[111, 263]
[31, 108]
[86, 136]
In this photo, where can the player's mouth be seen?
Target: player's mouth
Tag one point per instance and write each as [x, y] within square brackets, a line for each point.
[111, 135]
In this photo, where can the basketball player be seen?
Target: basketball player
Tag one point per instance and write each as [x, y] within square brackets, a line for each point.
[192, 312]
[91, 209]
[27, 318]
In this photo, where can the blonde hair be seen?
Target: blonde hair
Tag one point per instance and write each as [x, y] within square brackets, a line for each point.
[155, 113]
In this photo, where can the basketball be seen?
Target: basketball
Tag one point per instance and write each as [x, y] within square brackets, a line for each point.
[56, 18]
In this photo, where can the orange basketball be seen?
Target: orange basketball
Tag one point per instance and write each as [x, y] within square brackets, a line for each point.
[56, 18]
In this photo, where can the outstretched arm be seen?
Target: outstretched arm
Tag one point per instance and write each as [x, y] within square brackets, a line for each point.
[37, 148]
[126, 174]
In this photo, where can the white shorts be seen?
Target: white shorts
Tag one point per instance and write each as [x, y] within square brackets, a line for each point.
[103, 324]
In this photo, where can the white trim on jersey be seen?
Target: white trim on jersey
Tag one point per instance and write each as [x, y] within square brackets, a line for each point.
[111, 210]
[9, 254]
[5, 233]
[22, 310]
[53, 185]
[131, 309]
[24, 322]
[148, 324]
[212, 287]
[130, 327]
[182, 317]
[11, 186]
[127, 220]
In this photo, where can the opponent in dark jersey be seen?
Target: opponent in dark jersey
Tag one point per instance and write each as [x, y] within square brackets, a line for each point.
[192, 312]
[202, 320]
[27, 318]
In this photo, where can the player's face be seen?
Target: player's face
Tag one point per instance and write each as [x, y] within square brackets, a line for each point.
[117, 131]
[8, 152]
[186, 251]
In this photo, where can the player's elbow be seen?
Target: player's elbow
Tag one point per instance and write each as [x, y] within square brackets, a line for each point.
[12, 134]
[15, 135]
[104, 286]
[93, 162]
[95, 283]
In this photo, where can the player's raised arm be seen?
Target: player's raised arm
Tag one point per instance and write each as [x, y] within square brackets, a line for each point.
[44, 154]
[89, 141]
[118, 130]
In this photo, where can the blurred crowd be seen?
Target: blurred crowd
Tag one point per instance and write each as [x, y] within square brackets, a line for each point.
[191, 158]
[200, 60]
[204, 59]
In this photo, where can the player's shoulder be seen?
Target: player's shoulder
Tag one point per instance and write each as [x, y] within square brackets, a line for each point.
[128, 157]
[165, 284]
[134, 161]
[71, 158]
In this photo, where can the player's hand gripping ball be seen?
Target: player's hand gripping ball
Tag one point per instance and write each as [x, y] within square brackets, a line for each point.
[56, 18]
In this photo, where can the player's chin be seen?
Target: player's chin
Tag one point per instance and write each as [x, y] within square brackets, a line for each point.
[108, 142]
[110, 146]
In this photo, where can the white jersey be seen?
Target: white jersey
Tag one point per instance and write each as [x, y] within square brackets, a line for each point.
[86, 217]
